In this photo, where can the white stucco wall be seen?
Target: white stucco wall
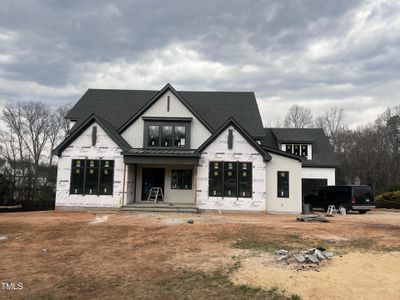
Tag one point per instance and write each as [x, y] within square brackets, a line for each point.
[293, 204]
[319, 173]
[241, 151]
[82, 148]
[134, 133]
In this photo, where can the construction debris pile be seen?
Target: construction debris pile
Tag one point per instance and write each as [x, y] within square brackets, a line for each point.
[312, 218]
[312, 257]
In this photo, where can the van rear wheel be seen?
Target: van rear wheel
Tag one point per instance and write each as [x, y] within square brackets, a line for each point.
[362, 212]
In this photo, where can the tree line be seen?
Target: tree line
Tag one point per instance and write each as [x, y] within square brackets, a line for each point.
[369, 154]
[29, 132]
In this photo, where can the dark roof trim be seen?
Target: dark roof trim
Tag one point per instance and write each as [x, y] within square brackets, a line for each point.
[160, 154]
[283, 153]
[154, 99]
[319, 166]
[192, 161]
[119, 140]
[297, 141]
[173, 119]
[242, 131]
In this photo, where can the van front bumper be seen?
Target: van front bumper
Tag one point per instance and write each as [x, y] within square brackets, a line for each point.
[362, 207]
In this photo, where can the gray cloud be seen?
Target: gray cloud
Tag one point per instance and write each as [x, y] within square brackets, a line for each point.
[316, 53]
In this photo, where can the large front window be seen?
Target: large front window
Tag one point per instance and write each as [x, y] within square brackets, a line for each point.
[181, 179]
[92, 177]
[167, 134]
[230, 179]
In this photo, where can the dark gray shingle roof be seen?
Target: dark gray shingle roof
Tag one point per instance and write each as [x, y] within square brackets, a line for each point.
[118, 106]
[322, 153]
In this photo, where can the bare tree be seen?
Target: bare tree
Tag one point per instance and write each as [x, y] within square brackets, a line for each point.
[57, 131]
[298, 117]
[277, 123]
[13, 148]
[334, 124]
[61, 113]
[28, 123]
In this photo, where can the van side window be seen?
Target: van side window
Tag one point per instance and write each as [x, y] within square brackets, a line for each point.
[283, 184]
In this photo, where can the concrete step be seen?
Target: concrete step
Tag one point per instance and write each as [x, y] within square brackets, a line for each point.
[159, 208]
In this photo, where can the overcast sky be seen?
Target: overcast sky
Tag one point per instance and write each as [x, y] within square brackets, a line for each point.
[315, 53]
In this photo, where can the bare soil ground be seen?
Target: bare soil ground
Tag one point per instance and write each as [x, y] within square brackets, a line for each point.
[88, 255]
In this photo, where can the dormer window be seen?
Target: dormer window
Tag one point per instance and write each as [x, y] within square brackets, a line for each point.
[298, 149]
[166, 133]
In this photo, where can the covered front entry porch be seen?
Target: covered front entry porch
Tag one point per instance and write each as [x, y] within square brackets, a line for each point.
[173, 173]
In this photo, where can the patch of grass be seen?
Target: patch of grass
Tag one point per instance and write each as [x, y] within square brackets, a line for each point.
[292, 242]
[289, 242]
[197, 285]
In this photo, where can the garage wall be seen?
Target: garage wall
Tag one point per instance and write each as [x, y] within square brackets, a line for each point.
[81, 148]
[319, 173]
[293, 204]
[241, 151]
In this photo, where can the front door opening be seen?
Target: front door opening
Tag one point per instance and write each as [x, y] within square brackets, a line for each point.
[152, 177]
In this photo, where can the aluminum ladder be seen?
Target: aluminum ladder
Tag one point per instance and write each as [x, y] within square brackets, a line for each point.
[154, 194]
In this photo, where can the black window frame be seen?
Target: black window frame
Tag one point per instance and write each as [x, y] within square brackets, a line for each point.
[181, 179]
[285, 186]
[304, 146]
[82, 170]
[221, 180]
[99, 163]
[245, 167]
[290, 148]
[215, 181]
[173, 123]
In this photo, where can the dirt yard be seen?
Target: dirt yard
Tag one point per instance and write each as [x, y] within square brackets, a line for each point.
[86, 255]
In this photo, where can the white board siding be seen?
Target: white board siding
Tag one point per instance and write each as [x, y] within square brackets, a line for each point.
[82, 148]
[319, 173]
[134, 133]
[293, 203]
[241, 152]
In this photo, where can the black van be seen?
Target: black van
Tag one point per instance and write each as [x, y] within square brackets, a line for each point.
[351, 197]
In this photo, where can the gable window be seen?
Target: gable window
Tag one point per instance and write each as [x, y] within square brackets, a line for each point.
[283, 184]
[167, 134]
[230, 179]
[181, 179]
[180, 136]
[154, 136]
[92, 176]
